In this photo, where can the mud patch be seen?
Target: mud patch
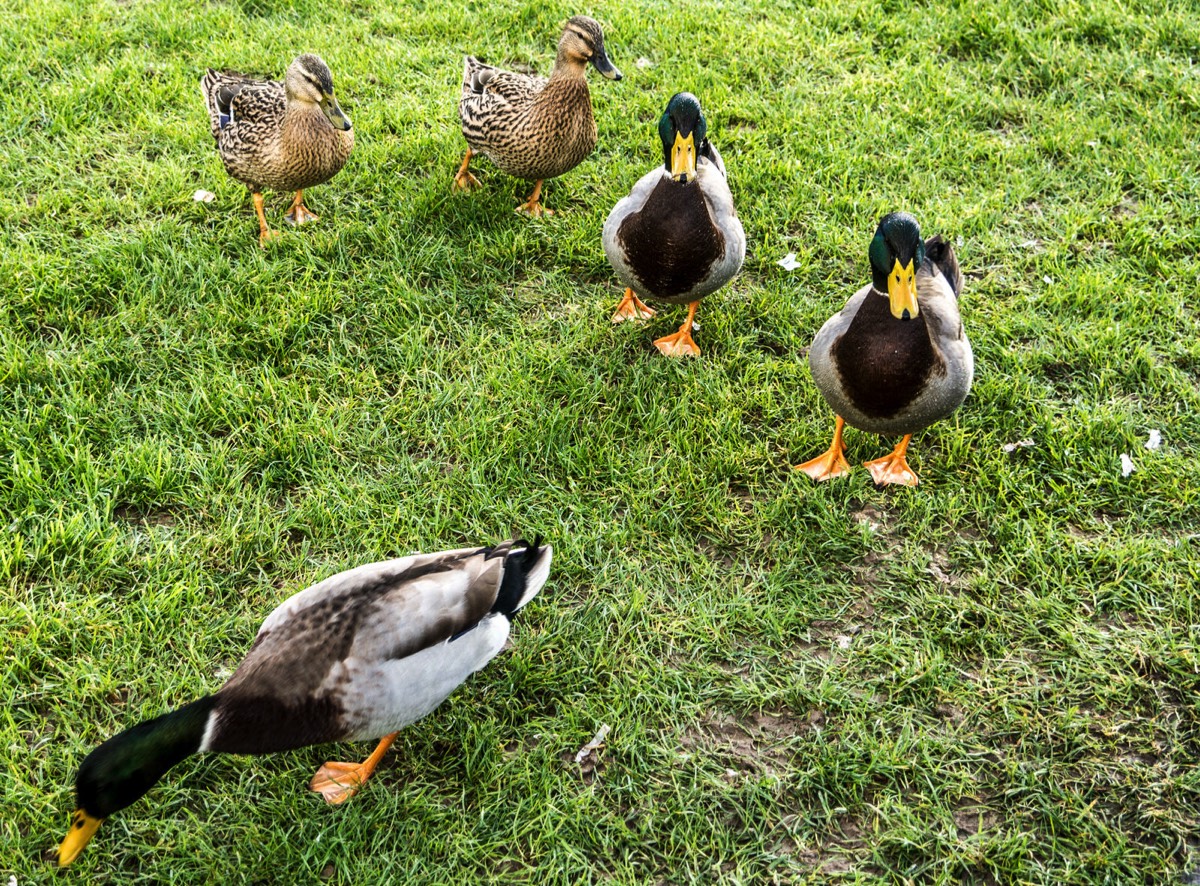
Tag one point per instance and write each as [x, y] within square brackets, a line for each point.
[972, 816]
[758, 744]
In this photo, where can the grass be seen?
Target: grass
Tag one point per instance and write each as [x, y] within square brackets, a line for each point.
[991, 678]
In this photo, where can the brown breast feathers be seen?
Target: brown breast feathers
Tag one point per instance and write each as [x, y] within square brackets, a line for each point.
[883, 362]
[672, 243]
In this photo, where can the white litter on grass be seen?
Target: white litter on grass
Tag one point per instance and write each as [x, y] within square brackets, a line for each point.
[843, 641]
[203, 196]
[596, 743]
[1155, 440]
[1127, 466]
[788, 262]
[12, 880]
[643, 63]
[1047, 280]
[1023, 444]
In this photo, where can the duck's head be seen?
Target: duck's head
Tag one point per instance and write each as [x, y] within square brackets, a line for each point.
[896, 253]
[124, 768]
[683, 131]
[582, 41]
[310, 81]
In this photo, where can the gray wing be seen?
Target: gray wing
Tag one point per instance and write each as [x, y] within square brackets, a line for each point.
[375, 613]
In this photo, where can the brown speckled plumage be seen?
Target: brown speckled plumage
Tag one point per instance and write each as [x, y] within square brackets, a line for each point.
[532, 127]
[286, 136]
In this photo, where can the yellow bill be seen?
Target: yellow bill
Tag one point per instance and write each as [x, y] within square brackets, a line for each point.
[683, 158]
[902, 291]
[83, 828]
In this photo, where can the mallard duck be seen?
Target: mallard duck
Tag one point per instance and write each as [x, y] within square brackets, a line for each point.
[676, 236]
[895, 359]
[531, 127]
[284, 136]
[356, 656]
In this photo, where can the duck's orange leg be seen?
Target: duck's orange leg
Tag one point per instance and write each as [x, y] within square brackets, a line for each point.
[265, 234]
[533, 206]
[300, 214]
[338, 782]
[680, 344]
[893, 468]
[463, 180]
[632, 308]
[831, 463]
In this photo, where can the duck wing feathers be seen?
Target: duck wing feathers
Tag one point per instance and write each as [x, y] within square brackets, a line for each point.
[498, 84]
[371, 649]
[232, 97]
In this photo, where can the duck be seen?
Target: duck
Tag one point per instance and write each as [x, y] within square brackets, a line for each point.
[286, 136]
[676, 236]
[357, 656]
[896, 358]
[532, 127]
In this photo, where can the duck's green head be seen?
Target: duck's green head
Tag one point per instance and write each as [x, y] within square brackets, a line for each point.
[125, 767]
[309, 79]
[683, 130]
[896, 253]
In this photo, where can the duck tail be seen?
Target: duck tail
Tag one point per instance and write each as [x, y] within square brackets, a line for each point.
[210, 88]
[939, 251]
[475, 76]
[526, 568]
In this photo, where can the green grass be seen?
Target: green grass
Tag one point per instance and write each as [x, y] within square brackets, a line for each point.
[991, 678]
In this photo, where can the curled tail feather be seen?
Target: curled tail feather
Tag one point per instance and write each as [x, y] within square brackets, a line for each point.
[939, 251]
[526, 567]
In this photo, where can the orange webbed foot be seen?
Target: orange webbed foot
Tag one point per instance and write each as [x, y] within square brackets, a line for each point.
[680, 344]
[465, 182]
[632, 308]
[832, 463]
[893, 468]
[533, 205]
[338, 782]
[829, 465]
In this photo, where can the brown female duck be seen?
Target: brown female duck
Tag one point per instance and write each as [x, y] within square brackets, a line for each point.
[284, 136]
[531, 127]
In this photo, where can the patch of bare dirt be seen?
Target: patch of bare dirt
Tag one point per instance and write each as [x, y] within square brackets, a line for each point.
[972, 816]
[130, 514]
[758, 743]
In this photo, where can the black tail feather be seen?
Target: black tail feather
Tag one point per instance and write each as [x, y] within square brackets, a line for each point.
[518, 563]
[939, 251]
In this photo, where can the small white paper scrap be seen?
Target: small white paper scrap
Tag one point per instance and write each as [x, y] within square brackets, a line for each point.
[203, 196]
[1047, 279]
[596, 742]
[788, 262]
[1009, 447]
[1155, 440]
[1127, 467]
